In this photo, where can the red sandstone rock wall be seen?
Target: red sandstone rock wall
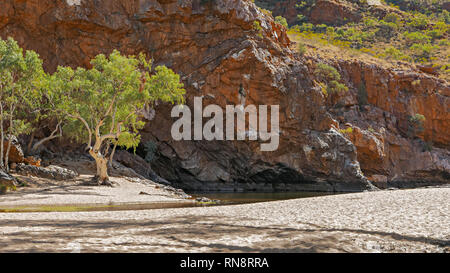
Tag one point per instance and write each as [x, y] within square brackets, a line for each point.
[393, 96]
[215, 49]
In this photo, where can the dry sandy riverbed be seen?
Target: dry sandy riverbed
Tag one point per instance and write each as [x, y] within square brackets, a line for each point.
[74, 193]
[415, 220]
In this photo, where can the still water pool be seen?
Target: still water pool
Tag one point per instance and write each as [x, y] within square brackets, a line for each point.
[254, 197]
[215, 199]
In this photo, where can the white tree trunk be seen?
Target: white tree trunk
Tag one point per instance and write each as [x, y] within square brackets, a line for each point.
[30, 142]
[1, 136]
[42, 141]
[9, 141]
[102, 168]
[8, 149]
[53, 135]
[96, 152]
[111, 157]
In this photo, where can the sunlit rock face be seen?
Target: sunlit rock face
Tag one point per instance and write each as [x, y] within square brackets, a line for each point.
[218, 51]
[393, 94]
[381, 129]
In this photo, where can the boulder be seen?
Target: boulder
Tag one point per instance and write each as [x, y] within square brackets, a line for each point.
[50, 172]
[7, 180]
[15, 153]
[370, 149]
[31, 160]
[380, 181]
[334, 12]
[139, 165]
[429, 69]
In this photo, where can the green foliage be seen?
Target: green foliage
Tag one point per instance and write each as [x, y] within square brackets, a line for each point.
[415, 125]
[336, 87]
[444, 17]
[257, 27]
[445, 68]
[265, 11]
[301, 18]
[103, 104]
[438, 30]
[20, 76]
[387, 30]
[282, 21]
[305, 27]
[100, 106]
[106, 99]
[417, 35]
[326, 73]
[419, 21]
[349, 130]
[423, 52]
[304, 5]
[356, 37]
[394, 53]
[392, 18]
[423, 6]
[329, 76]
[370, 22]
[301, 49]
[4, 188]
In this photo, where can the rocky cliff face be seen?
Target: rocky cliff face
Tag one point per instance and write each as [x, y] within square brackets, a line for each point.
[381, 128]
[217, 50]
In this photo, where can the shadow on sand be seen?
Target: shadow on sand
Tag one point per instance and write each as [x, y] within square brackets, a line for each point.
[186, 234]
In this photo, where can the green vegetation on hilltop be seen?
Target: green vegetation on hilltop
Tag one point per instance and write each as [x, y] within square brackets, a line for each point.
[422, 6]
[414, 31]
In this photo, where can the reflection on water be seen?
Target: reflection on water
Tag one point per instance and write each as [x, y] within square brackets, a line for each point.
[253, 197]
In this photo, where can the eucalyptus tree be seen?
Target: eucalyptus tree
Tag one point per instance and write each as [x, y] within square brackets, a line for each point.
[103, 104]
[19, 76]
[44, 115]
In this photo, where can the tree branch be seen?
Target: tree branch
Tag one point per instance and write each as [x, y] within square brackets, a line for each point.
[52, 136]
[87, 127]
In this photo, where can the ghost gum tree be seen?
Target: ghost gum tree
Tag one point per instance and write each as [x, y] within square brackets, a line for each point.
[43, 116]
[103, 103]
[20, 76]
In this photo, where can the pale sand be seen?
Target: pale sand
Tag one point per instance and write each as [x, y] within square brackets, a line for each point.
[70, 192]
[415, 220]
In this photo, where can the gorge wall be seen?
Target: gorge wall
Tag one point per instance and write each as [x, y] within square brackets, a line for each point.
[217, 50]
[386, 150]
[394, 93]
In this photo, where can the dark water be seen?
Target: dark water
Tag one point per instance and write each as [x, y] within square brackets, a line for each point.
[217, 199]
[254, 197]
